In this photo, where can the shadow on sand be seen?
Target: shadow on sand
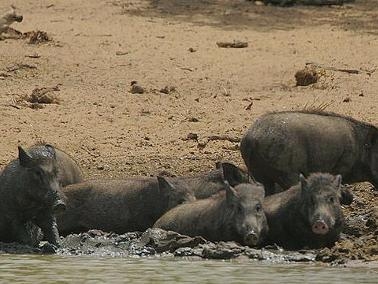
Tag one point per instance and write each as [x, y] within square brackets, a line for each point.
[242, 14]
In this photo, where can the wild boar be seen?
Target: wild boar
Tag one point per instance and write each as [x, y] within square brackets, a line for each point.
[29, 195]
[118, 206]
[308, 215]
[234, 214]
[281, 145]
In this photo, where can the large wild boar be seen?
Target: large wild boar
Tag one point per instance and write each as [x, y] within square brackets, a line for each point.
[134, 204]
[306, 215]
[234, 214]
[118, 206]
[29, 196]
[281, 145]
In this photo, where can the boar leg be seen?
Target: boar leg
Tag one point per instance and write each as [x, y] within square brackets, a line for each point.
[22, 234]
[48, 225]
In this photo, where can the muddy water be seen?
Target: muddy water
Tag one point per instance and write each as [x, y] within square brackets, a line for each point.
[63, 269]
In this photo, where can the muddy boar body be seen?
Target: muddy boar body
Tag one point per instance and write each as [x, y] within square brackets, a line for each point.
[118, 206]
[68, 170]
[234, 214]
[308, 215]
[279, 146]
[29, 196]
[134, 204]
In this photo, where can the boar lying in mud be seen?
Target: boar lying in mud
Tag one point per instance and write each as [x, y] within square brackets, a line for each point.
[29, 196]
[134, 204]
[234, 214]
[118, 206]
[281, 145]
[306, 215]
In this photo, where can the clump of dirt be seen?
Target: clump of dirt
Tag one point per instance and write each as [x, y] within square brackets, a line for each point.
[167, 89]
[37, 37]
[307, 76]
[40, 97]
[33, 37]
[44, 95]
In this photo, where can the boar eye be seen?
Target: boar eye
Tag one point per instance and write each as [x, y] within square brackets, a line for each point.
[331, 199]
[258, 208]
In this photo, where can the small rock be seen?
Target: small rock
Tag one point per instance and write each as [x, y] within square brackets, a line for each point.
[136, 88]
[167, 89]
[347, 100]
[192, 136]
[191, 49]
[193, 119]
[34, 55]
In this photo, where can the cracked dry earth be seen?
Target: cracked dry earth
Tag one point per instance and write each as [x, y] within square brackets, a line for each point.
[72, 85]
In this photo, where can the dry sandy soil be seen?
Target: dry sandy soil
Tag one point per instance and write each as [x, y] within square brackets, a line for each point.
[99, 47]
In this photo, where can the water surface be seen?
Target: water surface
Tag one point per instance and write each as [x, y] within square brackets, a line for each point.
[71, 269]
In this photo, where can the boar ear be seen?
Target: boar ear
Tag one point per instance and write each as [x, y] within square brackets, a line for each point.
[337, 182]
[231, 194]
[233, 174]
[51, 149]
[25, 159]
[165, 186]
[302, 180]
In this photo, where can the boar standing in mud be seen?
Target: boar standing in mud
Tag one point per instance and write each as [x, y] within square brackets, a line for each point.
[29, 197]
[234, 214]
[281, 145]
[306, 215]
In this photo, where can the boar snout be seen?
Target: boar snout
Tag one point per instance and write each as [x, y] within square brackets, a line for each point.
[251, 239]
[320, 227]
